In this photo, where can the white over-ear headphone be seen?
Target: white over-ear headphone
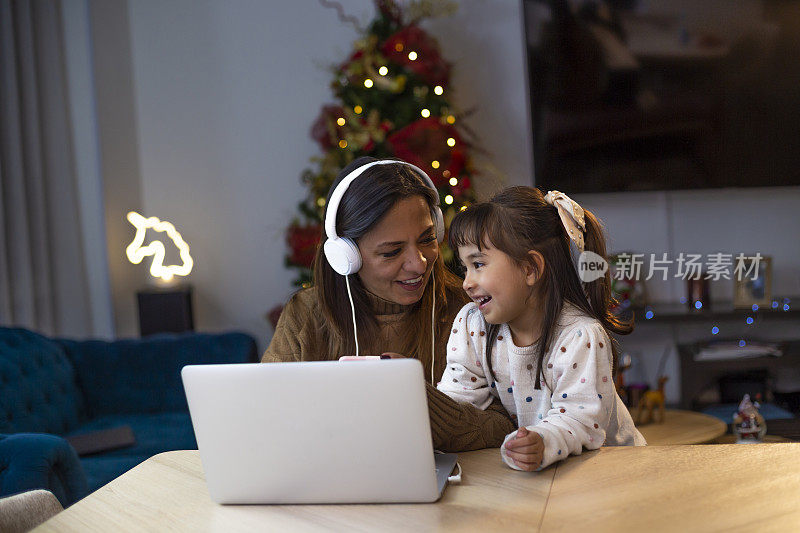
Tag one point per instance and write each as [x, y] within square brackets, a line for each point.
[342, 253]
[345, 258]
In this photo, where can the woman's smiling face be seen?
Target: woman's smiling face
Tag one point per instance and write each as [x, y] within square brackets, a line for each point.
[399, 252]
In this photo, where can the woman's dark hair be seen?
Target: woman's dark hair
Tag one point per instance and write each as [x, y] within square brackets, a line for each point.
[518, 220]
[367, 200]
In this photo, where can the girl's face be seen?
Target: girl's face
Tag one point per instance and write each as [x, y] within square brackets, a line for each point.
[398, 253]
[501, 287]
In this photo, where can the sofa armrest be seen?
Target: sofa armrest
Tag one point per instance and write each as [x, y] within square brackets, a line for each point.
[31, 461]
[143, 375]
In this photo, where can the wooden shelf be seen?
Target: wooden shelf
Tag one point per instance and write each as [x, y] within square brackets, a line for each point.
[676, 312]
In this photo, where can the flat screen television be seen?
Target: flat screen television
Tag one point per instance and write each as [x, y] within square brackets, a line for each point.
[634, 95]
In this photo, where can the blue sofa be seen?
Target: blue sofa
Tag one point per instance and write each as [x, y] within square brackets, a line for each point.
[52, 389]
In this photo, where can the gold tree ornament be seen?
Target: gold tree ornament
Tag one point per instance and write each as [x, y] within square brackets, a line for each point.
[417, 10]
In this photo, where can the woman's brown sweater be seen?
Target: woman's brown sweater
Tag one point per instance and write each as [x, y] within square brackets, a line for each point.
[301, 336]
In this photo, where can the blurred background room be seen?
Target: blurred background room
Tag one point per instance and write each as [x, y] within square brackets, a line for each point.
[675, 121]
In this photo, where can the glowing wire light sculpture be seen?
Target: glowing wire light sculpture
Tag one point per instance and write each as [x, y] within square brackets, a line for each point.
[136, 252]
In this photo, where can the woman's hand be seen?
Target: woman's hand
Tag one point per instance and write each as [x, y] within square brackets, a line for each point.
[526, 449]
[384, 355]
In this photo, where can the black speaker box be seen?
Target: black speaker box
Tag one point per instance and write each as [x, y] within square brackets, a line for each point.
[167, 310]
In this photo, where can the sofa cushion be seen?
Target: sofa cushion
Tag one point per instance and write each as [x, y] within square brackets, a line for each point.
[39, 393]
[155, 433]
[144, 375]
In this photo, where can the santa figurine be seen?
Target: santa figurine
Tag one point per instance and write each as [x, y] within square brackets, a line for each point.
[748, 424]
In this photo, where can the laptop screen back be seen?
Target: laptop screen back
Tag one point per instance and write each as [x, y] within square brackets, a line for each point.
[313, 432]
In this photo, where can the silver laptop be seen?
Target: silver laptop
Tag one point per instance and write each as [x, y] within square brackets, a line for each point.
[315, 432]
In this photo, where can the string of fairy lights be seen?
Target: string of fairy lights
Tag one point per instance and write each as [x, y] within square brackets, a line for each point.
[424, 112]
[776, 305]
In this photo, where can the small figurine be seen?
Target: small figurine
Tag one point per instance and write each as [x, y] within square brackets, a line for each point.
[748, 424]
[651, 399]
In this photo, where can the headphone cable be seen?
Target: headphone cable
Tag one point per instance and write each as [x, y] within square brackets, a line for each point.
[353, 309]
[433, 327]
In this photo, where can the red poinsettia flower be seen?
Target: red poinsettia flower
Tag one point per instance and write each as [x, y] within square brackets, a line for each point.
[325, 125]
[428, 64]
[303, 241]
[457, 159]
[425, 141]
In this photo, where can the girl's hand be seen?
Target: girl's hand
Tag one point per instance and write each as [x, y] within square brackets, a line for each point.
[526, 449]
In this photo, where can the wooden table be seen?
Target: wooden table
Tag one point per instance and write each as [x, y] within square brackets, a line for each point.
[656, 488]
[727, 487]
[683, 427]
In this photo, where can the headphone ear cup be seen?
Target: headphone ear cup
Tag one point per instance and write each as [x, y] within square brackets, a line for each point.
[343, 255]
[439, 223]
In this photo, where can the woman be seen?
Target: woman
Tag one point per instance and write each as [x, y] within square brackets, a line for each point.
[388, 211]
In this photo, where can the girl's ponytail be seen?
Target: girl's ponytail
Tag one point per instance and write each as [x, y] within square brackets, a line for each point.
[599, 290]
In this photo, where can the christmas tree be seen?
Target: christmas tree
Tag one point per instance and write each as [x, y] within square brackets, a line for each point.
[393, 100]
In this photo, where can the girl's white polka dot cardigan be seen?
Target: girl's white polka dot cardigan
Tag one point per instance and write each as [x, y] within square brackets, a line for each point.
[577, 406]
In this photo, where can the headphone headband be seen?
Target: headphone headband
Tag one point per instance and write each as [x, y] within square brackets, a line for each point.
[341, 188]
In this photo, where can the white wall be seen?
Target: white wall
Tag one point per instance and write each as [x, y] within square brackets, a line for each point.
[119, 152]
[224, 96]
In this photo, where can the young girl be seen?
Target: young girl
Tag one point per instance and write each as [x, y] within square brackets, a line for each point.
[535, 336]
